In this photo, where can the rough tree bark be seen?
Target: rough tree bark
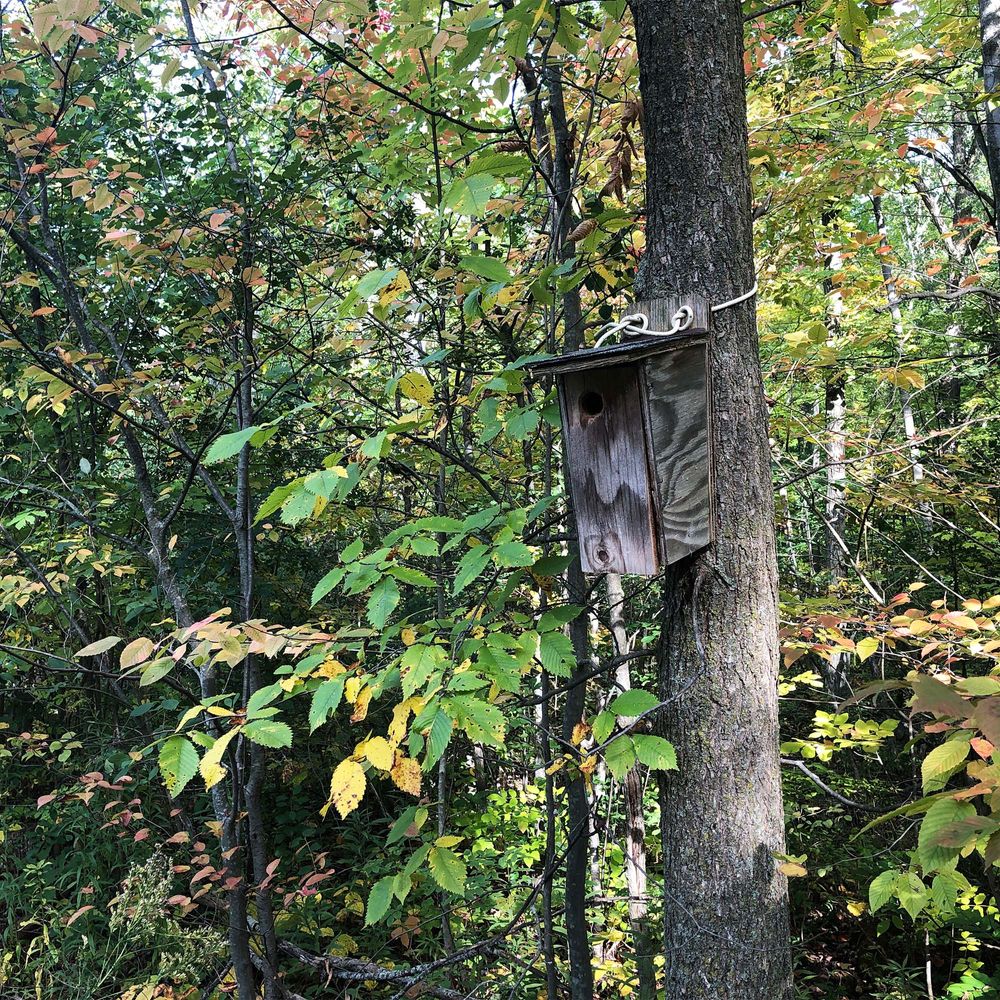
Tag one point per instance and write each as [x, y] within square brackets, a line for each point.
[989, 33]
[726, 920]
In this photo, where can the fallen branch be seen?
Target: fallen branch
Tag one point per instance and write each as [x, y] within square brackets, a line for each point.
[359, 971]
[817, 780]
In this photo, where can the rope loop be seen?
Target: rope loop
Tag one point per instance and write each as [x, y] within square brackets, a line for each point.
[637, 324]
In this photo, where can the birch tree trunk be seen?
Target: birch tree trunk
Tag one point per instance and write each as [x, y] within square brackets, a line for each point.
[726, 916]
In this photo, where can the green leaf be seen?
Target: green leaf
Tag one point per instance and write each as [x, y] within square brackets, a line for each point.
[156, 671]
[556, 653]
[268, 733]
[261, 697]
[558, 617]
[414, 816]
[514, 554]
[178, 763]
[940, 816]
[499, 165]
[469, 567]
[912, 894]
[634, 702]
[521, 424]
[619, 755]
[469, 195]
[882, 889]
[604, 726]
[227, 445]
[379, 899]
[383, 601]
[487, 267]
[411, 576]
[417, 858]
[551, 566]
[101, 646]
[448, 870]
[352, 551]
[939, 764]
[438, 738]
[327, 584]
[417, 664]
[851, 22]
[325, 700]
[656, 753]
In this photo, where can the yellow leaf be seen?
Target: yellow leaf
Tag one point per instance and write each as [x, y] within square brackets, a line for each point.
[211, 764]
[793, 870]
[856, 909]
[347, 787]
[351, 689]
[361, 705]
[380, 753]
[866, 647]
[400, 715]
[408, 636]
[580, 732]
[406, 775]
[961, 621]
[417, 387]
[330, 668]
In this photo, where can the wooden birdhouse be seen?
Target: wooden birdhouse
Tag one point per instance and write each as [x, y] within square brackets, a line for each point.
[636, 421]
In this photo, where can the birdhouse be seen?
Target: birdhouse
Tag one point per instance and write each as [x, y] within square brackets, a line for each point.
[636, 421]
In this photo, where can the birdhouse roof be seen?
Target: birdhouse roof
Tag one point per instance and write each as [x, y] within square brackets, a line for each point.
[633, 349]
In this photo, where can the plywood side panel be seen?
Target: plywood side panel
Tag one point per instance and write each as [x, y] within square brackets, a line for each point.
[607, 470]
[678, 412]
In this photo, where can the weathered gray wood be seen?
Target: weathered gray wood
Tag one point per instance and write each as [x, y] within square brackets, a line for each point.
[606, 466]
[678, 411]
[660, 312]
[633, 349]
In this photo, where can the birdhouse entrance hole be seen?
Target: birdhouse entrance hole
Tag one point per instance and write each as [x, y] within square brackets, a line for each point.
[591, 403]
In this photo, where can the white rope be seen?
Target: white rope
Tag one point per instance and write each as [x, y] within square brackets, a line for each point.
[737, 300]
[637, 324]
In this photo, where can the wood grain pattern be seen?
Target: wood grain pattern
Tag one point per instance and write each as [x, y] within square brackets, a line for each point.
[678, 414]
[661, 312]
[607, 470]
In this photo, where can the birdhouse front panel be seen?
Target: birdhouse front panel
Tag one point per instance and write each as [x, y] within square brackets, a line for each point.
[608, 471]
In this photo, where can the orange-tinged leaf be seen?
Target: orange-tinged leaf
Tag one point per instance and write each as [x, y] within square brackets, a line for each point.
[791, 869]
[79, 913]
[406, 775]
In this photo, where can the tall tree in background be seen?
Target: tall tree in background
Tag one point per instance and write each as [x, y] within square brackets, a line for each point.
[725, 907]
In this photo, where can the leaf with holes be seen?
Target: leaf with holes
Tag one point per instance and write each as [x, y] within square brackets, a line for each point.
[656, 753]
[448, 869]
[178, 761]
[347, 788]
[268, 733]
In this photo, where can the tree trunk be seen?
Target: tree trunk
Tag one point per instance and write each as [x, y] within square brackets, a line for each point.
[726, 913]
[989, 32]
[635, 820]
